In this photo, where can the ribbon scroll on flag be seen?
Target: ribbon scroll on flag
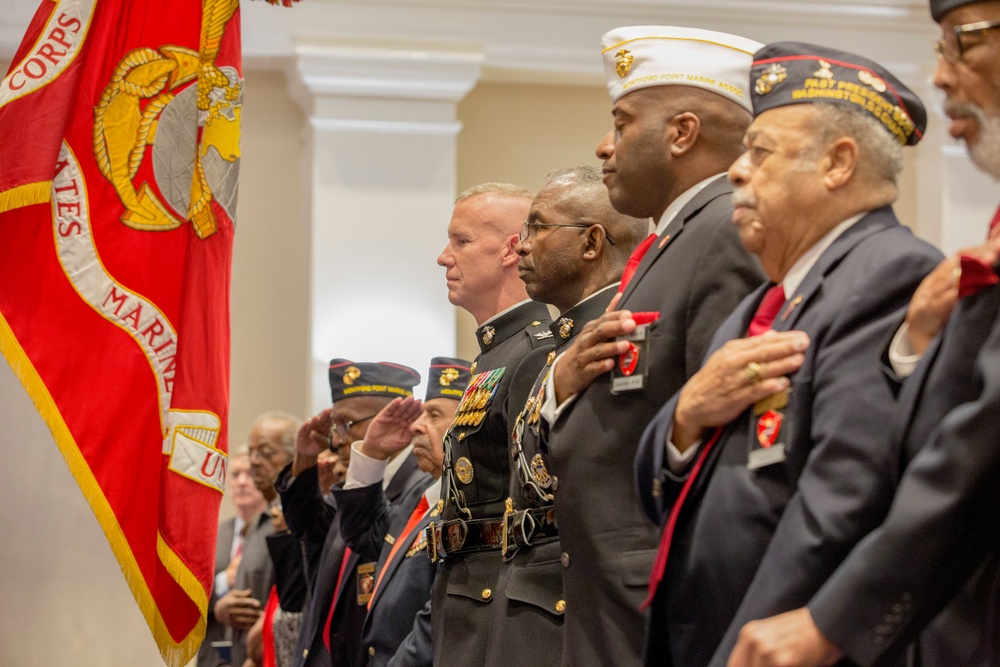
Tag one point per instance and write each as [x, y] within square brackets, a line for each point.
[118, 180]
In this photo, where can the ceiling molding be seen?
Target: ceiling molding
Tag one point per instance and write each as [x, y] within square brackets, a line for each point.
[555, 41]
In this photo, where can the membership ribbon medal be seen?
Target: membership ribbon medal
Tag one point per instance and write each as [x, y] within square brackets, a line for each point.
[118, 170]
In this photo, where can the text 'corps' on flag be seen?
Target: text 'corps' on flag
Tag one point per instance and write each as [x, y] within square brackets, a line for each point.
[118, 179]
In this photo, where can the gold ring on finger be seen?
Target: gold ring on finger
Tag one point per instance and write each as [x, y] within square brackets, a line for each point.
[751, 372]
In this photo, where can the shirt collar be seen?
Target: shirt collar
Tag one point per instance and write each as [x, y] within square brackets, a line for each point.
[802, 266]
[683, 200]
[393, 466]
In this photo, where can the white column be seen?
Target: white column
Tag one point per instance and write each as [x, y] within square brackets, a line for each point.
[380, 161]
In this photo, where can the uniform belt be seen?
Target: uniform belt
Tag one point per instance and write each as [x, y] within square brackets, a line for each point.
[530, 527]
[450, 538]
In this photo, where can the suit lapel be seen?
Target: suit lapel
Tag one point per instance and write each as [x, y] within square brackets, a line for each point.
[716, 188]
[793, 308]
[394, 564]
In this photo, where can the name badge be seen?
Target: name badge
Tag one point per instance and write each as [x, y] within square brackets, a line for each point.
[366, 582]
[767, 430]
[629, 373]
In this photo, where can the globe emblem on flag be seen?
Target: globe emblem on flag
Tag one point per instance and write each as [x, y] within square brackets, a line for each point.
[218, 147]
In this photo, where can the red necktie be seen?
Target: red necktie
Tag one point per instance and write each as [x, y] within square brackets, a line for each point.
[768, 309]
[634, 259]
[333, 602]
[267, 630]
[976, 274]
[418, 514]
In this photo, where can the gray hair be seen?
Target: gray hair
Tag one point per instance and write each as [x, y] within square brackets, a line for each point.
[584, 174]
[881, 155]
[292, 425]
[240, 450]
[502, 189]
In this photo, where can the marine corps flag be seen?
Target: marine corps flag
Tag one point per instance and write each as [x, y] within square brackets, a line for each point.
[119, 153]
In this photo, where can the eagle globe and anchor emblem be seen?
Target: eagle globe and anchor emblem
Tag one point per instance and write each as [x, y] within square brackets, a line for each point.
[149, 102]
[167, 169]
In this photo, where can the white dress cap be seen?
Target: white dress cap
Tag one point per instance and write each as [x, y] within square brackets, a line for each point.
[641, 56]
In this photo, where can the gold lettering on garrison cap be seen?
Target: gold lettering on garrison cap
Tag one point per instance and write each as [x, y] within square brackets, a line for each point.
[824, 71]
[464, 470]
[351, 373]
[624, 60]
[565, 327]
[869, 79]
[771, 77]
[448, 376]
[540, 472]
[488, 334]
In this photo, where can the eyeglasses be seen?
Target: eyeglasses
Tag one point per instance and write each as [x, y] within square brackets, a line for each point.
[528, 229]
[951, 48]
[343, 429]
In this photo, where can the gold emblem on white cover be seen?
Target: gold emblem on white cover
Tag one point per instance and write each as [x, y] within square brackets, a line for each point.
[624, 63]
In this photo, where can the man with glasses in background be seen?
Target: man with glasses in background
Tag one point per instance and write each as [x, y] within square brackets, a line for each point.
[938, 548]
[332, 626]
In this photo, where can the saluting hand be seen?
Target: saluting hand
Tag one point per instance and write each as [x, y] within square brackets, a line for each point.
[737, 375]
[389, 431]
[313, 437]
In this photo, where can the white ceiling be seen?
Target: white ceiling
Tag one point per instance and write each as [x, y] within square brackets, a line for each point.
[556, 41]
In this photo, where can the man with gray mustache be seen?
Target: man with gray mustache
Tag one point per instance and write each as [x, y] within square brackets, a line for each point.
[910, 579]
[771, 456]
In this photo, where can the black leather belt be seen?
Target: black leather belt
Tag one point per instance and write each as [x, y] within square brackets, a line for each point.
[450, 538]
[529, 527]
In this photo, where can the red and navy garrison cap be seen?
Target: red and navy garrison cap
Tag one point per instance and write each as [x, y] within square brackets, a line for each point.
[786, 73]
[349, 379]
[941, 7]
[447, 378]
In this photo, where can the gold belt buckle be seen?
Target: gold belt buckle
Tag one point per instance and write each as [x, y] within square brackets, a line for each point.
[508, 512]
[432, 541]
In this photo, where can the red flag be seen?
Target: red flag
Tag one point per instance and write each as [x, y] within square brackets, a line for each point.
[118, 170]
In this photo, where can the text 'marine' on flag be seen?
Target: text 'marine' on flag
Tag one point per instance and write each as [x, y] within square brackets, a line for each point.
[118, 179]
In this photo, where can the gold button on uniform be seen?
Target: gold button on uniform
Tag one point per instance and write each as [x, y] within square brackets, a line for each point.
[371, 651]
[564, 559]
[487, 594]
[561, 606]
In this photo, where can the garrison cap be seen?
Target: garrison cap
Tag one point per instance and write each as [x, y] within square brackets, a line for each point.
[941, 7]
[349, 379]
[642, 56]
[786, 73]
[447, 378]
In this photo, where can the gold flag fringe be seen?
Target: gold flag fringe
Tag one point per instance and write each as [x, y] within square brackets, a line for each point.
[25, 195]
[175, 654]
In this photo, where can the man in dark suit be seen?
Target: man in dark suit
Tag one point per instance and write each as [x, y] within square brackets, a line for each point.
[765, 465]
[481, 271]
[249, 504]
[573, 248]
[331, 627]
[394, 535]
[942, 524]
[680, 108]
